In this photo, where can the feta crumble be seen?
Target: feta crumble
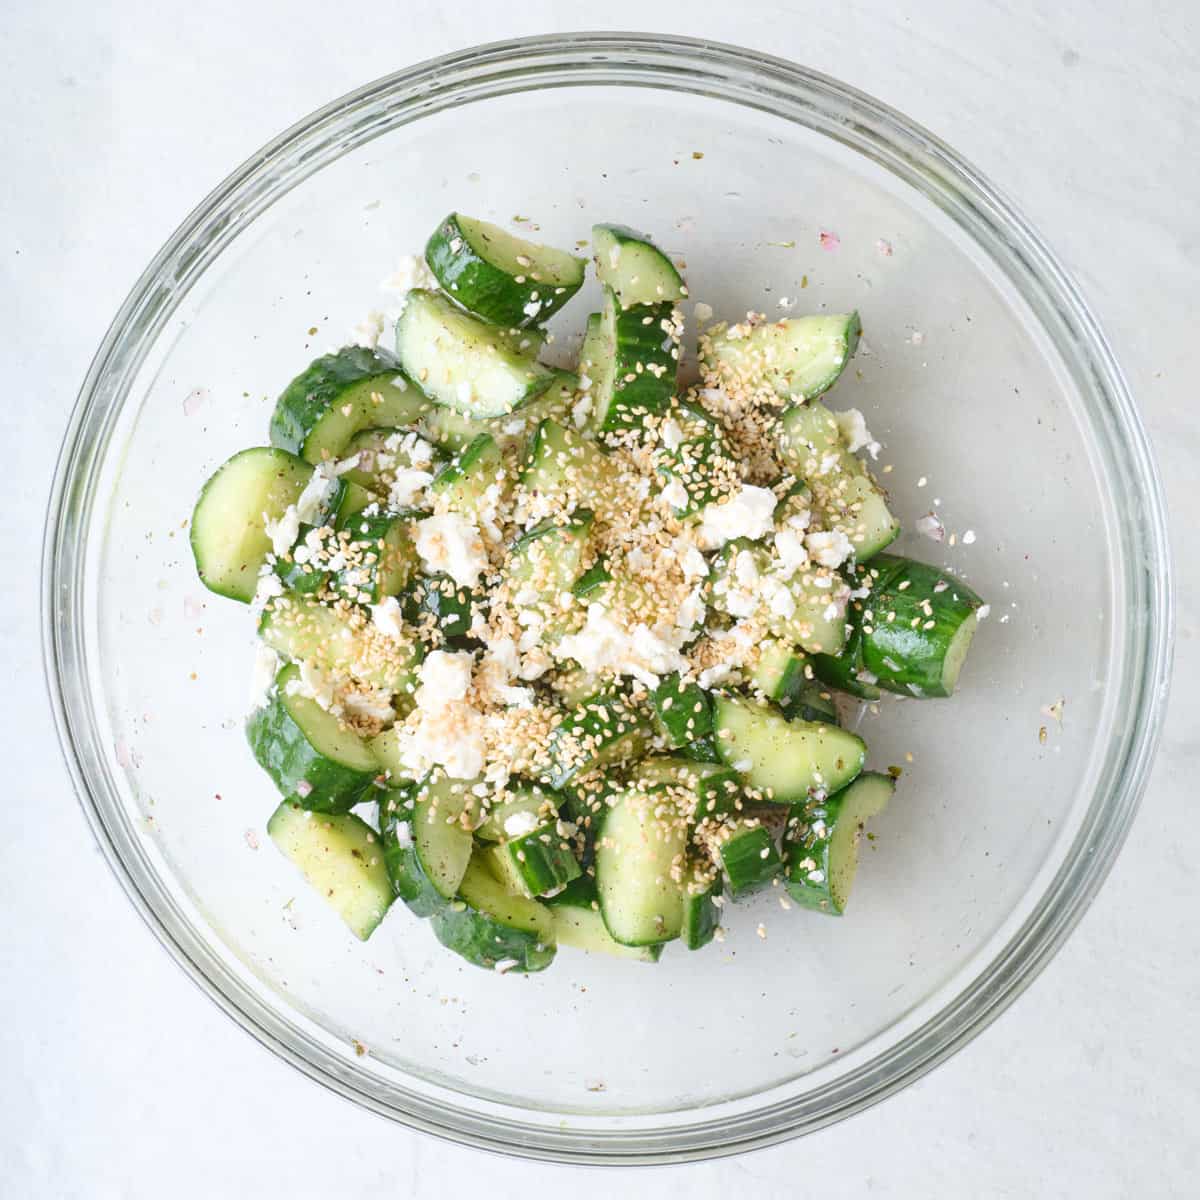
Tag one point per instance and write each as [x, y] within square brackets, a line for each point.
[450, 544]
[748, 513]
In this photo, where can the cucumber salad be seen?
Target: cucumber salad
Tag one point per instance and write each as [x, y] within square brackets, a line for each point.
[550, 655]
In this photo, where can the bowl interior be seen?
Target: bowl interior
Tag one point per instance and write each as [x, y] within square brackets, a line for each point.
[981, 422]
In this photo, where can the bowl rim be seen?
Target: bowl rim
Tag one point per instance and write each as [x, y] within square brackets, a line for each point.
[726, 72]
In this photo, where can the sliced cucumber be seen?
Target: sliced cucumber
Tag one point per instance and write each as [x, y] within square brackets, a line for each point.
[536, 863]
[822, 854]
[341, 857]
[635, 269]
[799, 357]
[845, 671]
[451, 608]
[701, 916]
[682, 709]
[381, 557]
[843, 490]
[702, 464]
[561, 460]
[453, 431]
[339, 395]
[404, 868]
[503, 278]
[784, 760]
[228, 531]
[312, 757]
[492, 929]
[528, 804]
[633, 360]
[715, 787]
[464, 480]
[702, 750]
[578, 923]
[639, 860]
[779, 673]
[464, 363]
[382, 453]
[442, 817]
[542, 566]
[606, 728]
[749, 856]
[341, 641]
[919, 628]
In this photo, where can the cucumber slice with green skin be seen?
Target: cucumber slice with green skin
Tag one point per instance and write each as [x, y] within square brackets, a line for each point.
[561, 459]
[784, 760]
[748, 857]
[464, 363]
[442, 816]
[845, 671]
[591, 582]
[311, 757]
[466, 478]
[816, 621]
[536, 863]
[382, 557]
[701, 916]
[605, 729]
[642, 841]
[823, 839]
[385, 747]
[341, 641]
[572, 685]
[341, 857]
[779, 674]
[503, 278]
[382, 453]
[916, 627]
[452, 431]
[796, 499]
[633, 365]
[451, 608]
[492, 929]
[682, 709]
[543, 564]
[228, 534]
[635, 269]
[715, 787]
[801, 357]
[404, 868]
[528, 803]
[339, 395]
[702, 750]
[702, 463]
[812, 703]
[578, 923]
[843, 490]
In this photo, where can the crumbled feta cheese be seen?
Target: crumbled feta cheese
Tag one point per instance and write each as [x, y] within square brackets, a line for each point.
[316, 495]
[675, 494]
[532, 308]
[582, 408]
[444, 676]
[407, 485]
[852, 425]
[369, 703]
[968, 538]
[747, 513]
[745, 569]
[449, 543]
[284, 531]
[793, 555]
[671, 433]
[779, 597]
[693, 564]
[266, 665]
[269, 586]
[314, 684]
[368, 331]
[387, 617]
[711, 676]
[692, 611]
[603, 645]
[702, 311]
[520, 823]
[829, 548]
[410, 273]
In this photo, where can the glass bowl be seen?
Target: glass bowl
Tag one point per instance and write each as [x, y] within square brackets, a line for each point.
[1001, 407]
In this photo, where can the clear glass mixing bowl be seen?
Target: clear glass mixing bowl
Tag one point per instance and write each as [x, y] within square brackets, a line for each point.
[983, 372]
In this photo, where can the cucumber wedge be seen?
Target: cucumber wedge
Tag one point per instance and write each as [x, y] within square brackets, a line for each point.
[313, 759]
[715, 787]
[748, 856]
[503, 278]
[464, 363]
[495, 930]
[605, 729]
[800, 357]
[784, 760]
[701, 916]
[339, 395]
[341, 857]
[537, 863]
[641, 845]
[578, 923]
[636, 270]
[228, 530]
[823, 840]
[404, 867]
[463, 481]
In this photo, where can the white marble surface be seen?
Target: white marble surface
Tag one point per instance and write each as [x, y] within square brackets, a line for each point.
[117, 117]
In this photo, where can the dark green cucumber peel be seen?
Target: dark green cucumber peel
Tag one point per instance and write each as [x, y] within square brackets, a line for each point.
[451, 607]
[682, 710]
[538, 862]
[311, 759]
[607, 728]
[404, 868]
[309, 419]
[822, 842]
[749, 857]
[578, 923]
[503, 278]
[382, 557]
[701, 916]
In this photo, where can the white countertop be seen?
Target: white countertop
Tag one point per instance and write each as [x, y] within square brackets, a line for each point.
[118, 117]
